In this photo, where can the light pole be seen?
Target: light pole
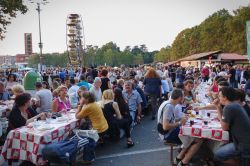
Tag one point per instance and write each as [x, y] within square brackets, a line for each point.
[40, 44]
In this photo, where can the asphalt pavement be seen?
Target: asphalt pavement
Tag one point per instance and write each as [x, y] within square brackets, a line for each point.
[149, 150]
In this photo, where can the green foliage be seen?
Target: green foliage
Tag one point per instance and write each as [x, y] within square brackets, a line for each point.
[220, 31]
[54, 59]
[164, 55]
[109, 54]
[8, 10]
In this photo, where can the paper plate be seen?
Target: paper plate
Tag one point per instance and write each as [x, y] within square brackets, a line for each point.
[216, 126]
[44, 128]
[61, 119]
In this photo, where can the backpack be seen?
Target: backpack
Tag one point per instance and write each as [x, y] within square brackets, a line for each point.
[63, 151]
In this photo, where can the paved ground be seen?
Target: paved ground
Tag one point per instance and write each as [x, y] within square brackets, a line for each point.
[148, 149]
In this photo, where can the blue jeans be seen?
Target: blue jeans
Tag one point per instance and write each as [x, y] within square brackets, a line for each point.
[233, 84]
[132, 114]
[226, 152]
[173, 136]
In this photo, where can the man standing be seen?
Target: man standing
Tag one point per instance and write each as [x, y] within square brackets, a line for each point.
[44, 98]
[232, 75]
[205, 73]
[96, 89]
[72, 93]
[134, 100]
[83, 82]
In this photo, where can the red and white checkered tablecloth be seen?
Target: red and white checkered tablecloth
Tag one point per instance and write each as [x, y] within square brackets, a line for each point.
[27, 143]
[204, 131]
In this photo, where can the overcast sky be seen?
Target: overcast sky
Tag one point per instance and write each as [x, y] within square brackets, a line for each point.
[125, 22]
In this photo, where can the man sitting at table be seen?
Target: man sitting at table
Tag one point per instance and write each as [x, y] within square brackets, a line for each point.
[44, 98]
[166, 117]
[234, 119]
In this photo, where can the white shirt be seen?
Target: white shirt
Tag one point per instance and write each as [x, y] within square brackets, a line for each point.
[160, 73]
[112, 76]
[166, 74]
[72, 93]
[97, 93]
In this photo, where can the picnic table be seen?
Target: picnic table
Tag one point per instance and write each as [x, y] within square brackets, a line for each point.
[204, 126]
[27, 142]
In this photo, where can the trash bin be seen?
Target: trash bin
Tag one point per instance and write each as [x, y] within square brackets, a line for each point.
[30, 79]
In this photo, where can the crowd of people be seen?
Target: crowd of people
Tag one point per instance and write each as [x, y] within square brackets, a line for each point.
[112, 100]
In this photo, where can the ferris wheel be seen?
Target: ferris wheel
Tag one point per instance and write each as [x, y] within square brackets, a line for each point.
[75, 39]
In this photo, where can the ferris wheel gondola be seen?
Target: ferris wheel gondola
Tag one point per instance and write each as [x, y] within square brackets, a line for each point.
[75, 39]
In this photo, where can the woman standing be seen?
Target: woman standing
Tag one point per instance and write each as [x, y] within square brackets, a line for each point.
[152, 88]
[61, 103]
[105, 80]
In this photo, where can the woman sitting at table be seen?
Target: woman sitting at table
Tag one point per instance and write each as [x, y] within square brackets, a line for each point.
[88, 108]
[4, 94]
[12, 80]
[17, 90]
[214, 89]
[61, 103]
[122, 104]
[189, 97]
[21, 113]
[114, 118]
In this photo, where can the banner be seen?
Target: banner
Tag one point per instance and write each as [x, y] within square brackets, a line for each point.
[248, 39]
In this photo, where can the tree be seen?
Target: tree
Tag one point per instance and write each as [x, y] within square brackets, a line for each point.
[164, 55]
[220, 31]
[9, 10]
[54, 59]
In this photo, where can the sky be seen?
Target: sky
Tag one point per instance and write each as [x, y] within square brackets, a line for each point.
[154, 23]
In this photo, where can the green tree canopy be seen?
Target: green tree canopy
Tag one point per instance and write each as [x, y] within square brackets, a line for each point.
[9, 10]
[220, 31]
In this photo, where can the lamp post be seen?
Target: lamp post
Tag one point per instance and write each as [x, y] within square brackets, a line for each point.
[40, 44]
